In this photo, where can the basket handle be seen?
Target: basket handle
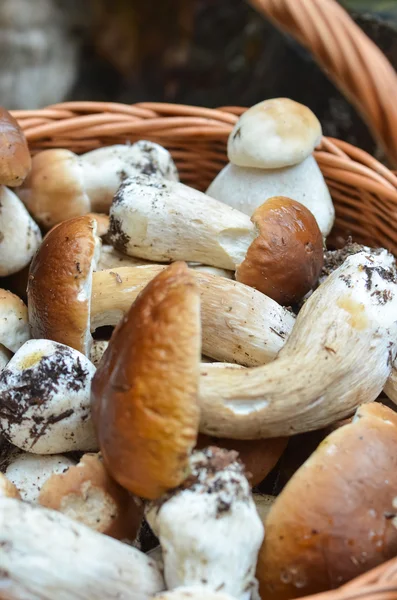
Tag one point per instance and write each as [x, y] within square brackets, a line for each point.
[349, 58]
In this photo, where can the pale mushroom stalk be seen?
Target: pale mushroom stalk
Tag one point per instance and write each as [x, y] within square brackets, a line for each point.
[239, 324]
[209, 530]
[339, 355]
[47, 551]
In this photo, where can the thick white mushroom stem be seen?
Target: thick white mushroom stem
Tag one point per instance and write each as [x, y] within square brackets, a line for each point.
[43, 551]
[239, 324]
[338, 356]
[209, 530]
[148, 219]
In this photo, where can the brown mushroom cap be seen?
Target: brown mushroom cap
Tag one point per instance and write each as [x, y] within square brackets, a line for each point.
[333, 519]
[285, 259]
[7, 488]
[88, 494]
[15, 161]
[258, 456]
[59, 286]
[144, 393]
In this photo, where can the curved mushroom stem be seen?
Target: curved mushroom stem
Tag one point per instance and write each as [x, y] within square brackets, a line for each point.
[209, 530]
[338, 356]
[47, 551]
[239, 323]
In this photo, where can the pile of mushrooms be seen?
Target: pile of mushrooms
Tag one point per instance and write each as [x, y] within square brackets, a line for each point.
[173, 345]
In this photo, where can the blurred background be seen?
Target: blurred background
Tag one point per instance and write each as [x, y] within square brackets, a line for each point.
[204, 52]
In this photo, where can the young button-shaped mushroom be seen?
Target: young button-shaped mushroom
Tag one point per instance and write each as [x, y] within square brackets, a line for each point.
[239, 323]
[45, 399]
[29, 472]
[15, 161]
[270, 153]
[209, 530]
[333, 519]
[145, 412]
[86, 493]
[338, 356]
[47, 551]
[279, 251]
[63, 185]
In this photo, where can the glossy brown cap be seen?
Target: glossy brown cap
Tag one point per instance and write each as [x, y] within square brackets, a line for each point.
[87, 493]
[144, 393]
[259, 457]
[60, 281]
[15, 161]
[334, 518]
[285, 260]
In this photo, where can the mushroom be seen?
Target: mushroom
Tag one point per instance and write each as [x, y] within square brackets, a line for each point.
[334, 518]
[29, 472]
[47, 551]
[63, 185]
[239, 323]
[20, 235]
[146, 430]
[45, 399]
[15, 161]
[209, 530]
[86, 493]
[279, 251]
[339, 355]
[7, 488]
[259, 457]
[270, 153]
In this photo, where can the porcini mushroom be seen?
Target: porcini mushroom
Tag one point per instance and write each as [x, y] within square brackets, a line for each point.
[45, 399]
[146, 429]
[47, 551]
[63, 185]
[86, 493]
[239, 323]
[270, 153]
[209, 530]
[29, 472]
[279, 251]
[15, 161]
[333, 519]
[339, 355]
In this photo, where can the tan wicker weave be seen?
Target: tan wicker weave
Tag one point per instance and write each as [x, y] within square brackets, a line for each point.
[364, 191]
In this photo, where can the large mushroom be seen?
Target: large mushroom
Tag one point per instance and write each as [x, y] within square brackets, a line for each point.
[62, 185]
[270, 152]
[45, 399]
[67, 298]
[146, 414]
[334, 518]
[279, 250]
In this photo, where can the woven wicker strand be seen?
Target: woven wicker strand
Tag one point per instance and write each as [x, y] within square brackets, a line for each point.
[349, 58]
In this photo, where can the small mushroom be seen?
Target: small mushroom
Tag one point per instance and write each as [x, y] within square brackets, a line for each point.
[279, 251]
[209, 530]
[29, 472]
[145, 412]
[45, 399]
[63, 185]
[334, 518]
[239, 323]
[47, 551]
[86, 493]
[270, 153]
[338, 356]
[15, 161]
[7, 488]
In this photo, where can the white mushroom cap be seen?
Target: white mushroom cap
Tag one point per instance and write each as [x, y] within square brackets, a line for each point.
[14, 323]
[209, 530]
[20, 235]
[247, 188]
[28, 472]
[45, 399]
[50, 555]
[273, 134]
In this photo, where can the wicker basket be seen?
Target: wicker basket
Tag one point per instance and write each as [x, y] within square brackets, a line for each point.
[364, 191]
